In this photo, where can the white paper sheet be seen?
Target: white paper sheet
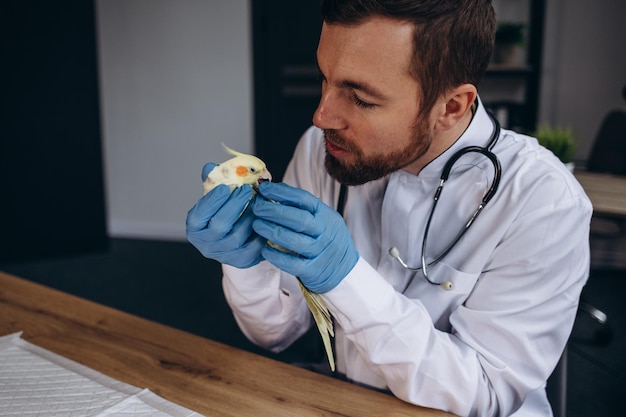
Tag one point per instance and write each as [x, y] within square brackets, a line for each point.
[35, 382]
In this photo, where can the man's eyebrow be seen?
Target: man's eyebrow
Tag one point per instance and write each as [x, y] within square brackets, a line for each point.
[354, 85]
[370, 91]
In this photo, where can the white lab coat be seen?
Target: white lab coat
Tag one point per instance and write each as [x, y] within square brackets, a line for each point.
[485, 347]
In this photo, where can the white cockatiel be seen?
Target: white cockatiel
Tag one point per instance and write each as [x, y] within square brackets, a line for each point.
[237, 171]
[248, 169]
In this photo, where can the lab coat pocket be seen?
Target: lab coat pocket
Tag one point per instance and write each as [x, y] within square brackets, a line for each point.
[440, 300]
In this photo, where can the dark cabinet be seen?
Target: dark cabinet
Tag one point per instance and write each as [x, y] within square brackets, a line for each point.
[51, 182]
[286, 85]
[511, 91]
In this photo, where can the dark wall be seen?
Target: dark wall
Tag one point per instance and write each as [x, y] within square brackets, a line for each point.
[51, 181]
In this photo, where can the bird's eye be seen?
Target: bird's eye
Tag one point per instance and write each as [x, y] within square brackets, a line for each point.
[251, 169]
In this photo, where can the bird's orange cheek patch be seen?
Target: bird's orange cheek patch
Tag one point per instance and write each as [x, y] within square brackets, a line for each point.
[241, 171]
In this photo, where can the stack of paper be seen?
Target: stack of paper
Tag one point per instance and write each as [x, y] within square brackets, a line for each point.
[37, 382]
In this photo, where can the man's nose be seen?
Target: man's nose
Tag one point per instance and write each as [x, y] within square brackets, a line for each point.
[328, 112]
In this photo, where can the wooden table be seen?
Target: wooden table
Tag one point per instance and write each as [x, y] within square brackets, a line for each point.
[606, 192]
[200, 374]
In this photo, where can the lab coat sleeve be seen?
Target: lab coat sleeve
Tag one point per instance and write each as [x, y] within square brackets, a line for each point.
[506, 337]
[267, 304]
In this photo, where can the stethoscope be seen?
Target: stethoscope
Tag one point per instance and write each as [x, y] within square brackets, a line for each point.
[486, 151]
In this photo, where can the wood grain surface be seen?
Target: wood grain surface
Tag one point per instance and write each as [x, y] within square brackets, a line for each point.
[606, 192]
[202, 375]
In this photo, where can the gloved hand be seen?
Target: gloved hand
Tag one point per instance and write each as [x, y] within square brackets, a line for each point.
[220, 226]
[323, 249]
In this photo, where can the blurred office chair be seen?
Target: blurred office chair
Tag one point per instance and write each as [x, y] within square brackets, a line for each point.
[601, 334]
[608, 153]
[608, 234]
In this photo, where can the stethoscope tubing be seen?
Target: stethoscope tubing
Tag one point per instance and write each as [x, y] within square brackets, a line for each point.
[487, 152]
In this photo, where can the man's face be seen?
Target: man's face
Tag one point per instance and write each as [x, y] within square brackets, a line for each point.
[370, 103]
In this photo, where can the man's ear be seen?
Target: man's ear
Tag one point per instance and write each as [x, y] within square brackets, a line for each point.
[455, 106]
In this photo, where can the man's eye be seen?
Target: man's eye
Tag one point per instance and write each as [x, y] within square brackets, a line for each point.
[362, 104]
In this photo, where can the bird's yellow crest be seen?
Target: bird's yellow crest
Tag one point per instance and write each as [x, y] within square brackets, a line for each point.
[232, 151]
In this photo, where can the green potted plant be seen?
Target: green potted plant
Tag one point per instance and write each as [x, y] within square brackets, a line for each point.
[510, 40]
[559, 140]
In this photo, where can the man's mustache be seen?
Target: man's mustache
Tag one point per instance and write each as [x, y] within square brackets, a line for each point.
[334, 137]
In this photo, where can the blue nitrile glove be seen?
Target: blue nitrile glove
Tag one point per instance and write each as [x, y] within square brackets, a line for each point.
[219, 230]
[303, 224]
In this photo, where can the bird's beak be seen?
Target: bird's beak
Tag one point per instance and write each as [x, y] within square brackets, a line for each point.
[265, 176]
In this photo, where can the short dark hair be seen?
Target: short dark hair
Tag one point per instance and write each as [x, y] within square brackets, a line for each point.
[453, 39]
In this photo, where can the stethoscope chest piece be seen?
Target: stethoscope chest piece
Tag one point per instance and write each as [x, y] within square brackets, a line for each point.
[393, 251]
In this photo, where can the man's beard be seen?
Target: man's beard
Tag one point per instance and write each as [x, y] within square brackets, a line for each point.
[375, 167]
